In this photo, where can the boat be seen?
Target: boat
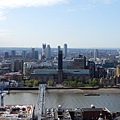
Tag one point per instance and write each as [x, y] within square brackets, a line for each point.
[92, 94]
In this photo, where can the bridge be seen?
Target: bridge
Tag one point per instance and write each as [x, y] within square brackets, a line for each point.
[3, 94]
[41, 100]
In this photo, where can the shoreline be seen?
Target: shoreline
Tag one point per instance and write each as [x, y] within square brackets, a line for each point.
[82, 91]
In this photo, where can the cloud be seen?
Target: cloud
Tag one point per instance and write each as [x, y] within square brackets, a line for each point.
[91, 4]
[28, 3]
[8, 4]
[2, 17]
[103, 1]
[108, 1]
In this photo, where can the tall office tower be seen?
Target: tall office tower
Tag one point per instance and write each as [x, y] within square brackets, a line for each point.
[33, 53]
[101, 73]
[13, 53]
[65, 50]
[95, 54]
[36, 55]
[24, 68]
[18, 65]
[21, 66]
[6, 55]
[91, 66]
[48, 52]
[43, 49]
[59, 48]
[60, 73]
[23, 54]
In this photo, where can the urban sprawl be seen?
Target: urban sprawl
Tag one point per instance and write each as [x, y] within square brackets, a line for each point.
[63, 66]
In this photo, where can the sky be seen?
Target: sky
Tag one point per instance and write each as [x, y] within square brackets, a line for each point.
[78, 23]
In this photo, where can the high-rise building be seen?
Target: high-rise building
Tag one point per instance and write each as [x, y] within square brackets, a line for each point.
[13, 53]
[91, 66]
[101, 73]
[36, 55]
[65, 50]
[59, 48]
[95, 54]
[60, 60]
[6, 55]
[33, 53]
[48, 52]
[60, 71]
[43, 49]
[23, 54]
[18, 65]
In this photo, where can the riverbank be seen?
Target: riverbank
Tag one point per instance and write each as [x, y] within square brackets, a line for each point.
[82, 91]
[100, 90]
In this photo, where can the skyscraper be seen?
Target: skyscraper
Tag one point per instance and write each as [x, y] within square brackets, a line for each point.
[65, 50]
[6, 55]
[24, 54]
[33, 53]
[43, 49]
[59, 48]
[95, 54]
[36, 55]
[48, 52]
[13, 53]
[91, 66]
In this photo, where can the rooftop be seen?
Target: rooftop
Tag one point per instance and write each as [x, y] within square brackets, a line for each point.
[24, 112]
[66, 71]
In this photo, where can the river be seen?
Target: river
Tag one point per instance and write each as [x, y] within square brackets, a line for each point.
[66, 99]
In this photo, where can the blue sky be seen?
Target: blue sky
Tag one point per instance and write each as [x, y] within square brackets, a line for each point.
[79, 23]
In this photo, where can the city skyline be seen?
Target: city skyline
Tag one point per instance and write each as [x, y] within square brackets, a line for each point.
[79, 24]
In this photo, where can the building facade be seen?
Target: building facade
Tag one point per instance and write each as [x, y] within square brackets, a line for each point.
[65, 50]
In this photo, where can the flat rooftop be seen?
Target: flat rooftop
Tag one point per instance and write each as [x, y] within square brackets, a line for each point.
[15, 112]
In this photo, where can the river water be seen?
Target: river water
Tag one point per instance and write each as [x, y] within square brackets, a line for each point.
[66, 99]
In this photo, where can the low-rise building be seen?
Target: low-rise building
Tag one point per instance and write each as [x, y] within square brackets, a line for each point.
[67, 74]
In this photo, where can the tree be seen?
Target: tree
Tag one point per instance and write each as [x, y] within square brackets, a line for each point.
[29, 83]
[65, 83]
[35, 83]
[93, 82]
[80, 84]
[73, 83]
[50, 82]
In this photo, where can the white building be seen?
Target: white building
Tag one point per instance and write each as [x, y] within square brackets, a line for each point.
[48, 52]
[43, 49]
[95, 54]
[65, 50]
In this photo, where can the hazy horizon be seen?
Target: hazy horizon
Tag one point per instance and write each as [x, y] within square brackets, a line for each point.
[78, 23]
